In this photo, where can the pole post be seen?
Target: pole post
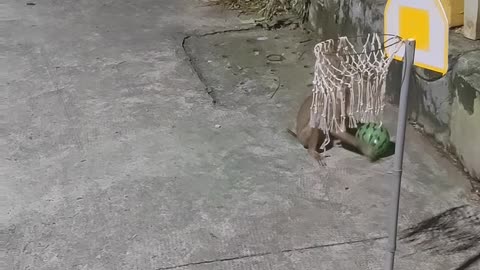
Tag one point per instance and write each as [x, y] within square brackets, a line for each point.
[399, 149]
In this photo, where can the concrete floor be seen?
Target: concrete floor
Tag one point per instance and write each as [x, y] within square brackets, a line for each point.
[113, 160]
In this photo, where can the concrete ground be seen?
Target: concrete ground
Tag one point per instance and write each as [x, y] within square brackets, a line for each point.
[116, 158]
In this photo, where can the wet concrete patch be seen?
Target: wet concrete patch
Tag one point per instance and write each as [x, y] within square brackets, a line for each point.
[244, 69]
[254, 67]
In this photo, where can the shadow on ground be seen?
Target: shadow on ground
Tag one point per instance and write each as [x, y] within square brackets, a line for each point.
[453, 231]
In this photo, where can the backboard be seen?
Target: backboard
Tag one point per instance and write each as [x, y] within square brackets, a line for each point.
[426, 22]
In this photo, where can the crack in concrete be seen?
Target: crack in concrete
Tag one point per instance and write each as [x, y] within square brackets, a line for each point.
[262, 254]
[210, 91]
[257, 26]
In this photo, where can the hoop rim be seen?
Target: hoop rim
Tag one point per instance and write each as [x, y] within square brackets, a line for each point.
[383, 47]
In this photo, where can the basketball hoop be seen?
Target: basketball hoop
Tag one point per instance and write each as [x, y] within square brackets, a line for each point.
[349, 79]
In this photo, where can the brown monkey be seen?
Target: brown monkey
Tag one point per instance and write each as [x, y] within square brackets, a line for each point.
[310, 137]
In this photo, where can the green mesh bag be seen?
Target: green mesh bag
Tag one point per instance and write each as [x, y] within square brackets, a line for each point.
[375, 136]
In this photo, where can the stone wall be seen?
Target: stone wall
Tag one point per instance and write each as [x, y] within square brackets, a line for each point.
[448, 108]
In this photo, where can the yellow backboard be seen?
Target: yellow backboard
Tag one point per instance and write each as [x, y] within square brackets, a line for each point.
[426, 22]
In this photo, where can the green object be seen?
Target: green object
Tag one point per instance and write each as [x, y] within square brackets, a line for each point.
[376, 136]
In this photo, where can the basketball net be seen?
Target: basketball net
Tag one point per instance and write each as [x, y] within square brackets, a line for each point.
[349, 85]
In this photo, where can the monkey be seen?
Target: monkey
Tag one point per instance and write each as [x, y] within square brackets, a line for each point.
[310, 137]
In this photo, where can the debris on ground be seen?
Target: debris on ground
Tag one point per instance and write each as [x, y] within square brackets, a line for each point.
[269, 8]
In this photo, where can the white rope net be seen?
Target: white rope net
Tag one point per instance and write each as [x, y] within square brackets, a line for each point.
[349, 85]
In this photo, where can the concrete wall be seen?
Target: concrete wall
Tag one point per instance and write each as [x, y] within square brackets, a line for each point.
[465, 112]
[447, 108]
[332, 17]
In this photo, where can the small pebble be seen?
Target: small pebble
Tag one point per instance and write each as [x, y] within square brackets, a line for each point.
[218, 126]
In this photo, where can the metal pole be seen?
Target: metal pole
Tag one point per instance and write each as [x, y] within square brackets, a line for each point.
[399, 148]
